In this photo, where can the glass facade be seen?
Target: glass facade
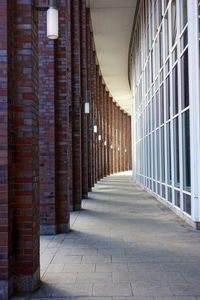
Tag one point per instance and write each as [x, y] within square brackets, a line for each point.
[161, 100]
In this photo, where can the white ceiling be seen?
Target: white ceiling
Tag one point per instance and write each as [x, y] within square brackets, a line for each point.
[112, 22]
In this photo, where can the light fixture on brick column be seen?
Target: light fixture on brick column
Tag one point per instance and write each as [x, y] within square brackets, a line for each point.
[52, 20]
[125, 150]
[118, 148]
[105, 143]
[95, 124]
[111, 146]
[87, 103]
[99, 137]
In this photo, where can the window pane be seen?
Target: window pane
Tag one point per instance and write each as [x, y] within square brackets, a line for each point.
[175, 90]
[169, 171]
[186, 151]
[173, 21]
[176, 153]
[167, 98]
[183, 13]
[158, 154]
[187, 203]
[162, 155]
[184, 80]
[177, 198]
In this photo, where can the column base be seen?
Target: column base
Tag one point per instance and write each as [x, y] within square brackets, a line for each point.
[27, 283]
[47, 229]
[6, 289]
[198, 225]
[63, 228]
[54, 229]
[85, 196]
[77, 207]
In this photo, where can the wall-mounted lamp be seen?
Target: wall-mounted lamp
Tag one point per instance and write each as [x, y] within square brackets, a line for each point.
[125, 150]
[52, 20]
[99, 137]
[111, 146]
[87, 103]
[87, 107]
[105, 143]
[118, 148]
[95, 125]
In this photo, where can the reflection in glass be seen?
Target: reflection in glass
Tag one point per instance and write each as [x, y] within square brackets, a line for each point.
[176, 153]
[186, 151]
[175, 89]
[183, 13]
[169, 166]
[177, 198]
[184, 80]
[187, 203]
[162, 155]
[173, 21]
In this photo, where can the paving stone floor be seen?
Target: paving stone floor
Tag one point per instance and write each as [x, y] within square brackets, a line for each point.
[124, 244]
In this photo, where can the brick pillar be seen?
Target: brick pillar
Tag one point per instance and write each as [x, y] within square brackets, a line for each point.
[99, 129]
[123, 142]
[6, 225]
[119, 138]
[108, 131]
[84, 98]
[62, 123]
[115, 157]
[111, 136]
[126, 132]
[105, 130]
[69, 102]
[90, 119]
[47, 129]
[76, 106]
[95, 120]
[23, 164]
[130, 145]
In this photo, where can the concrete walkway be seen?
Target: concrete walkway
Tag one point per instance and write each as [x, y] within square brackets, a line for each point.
[123, 245]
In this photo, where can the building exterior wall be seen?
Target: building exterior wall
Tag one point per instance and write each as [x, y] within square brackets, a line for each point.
[165, 88]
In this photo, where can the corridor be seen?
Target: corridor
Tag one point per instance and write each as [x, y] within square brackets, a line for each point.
[124, 244]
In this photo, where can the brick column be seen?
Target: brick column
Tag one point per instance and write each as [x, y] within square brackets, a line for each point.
[69, 102]
[76, 106]
[129, 145]
[99, 128]
[23, 173]
[105, 131]
[84, 97]
[6, 252]
[111, 136]
[108, 131]
[47, 129]
[90, 119]
[62, 123]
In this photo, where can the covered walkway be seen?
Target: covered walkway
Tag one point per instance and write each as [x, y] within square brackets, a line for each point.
[124, 244]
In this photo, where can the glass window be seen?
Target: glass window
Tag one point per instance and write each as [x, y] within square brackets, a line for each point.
[169, 167]
[161, 104]
[183, 13]
[157, 109]
[166, 36]
[167, 100]
[177, 198]
[162, 154]
[176, 153]
[158, 154]
[186, 151]
[169, 191]
[161, 46]
[173, 22]
[184, 80]
[187, 203]
[175, 89]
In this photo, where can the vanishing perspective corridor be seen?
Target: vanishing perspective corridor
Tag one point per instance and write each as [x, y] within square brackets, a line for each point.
[124, 244]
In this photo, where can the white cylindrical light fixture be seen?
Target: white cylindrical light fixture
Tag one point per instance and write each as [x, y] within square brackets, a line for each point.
[118, 148]
[52, 20]
[95, 128]
[125, 150]
[87, 107]
[111, 146]
[99, 137]
[105, 143]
